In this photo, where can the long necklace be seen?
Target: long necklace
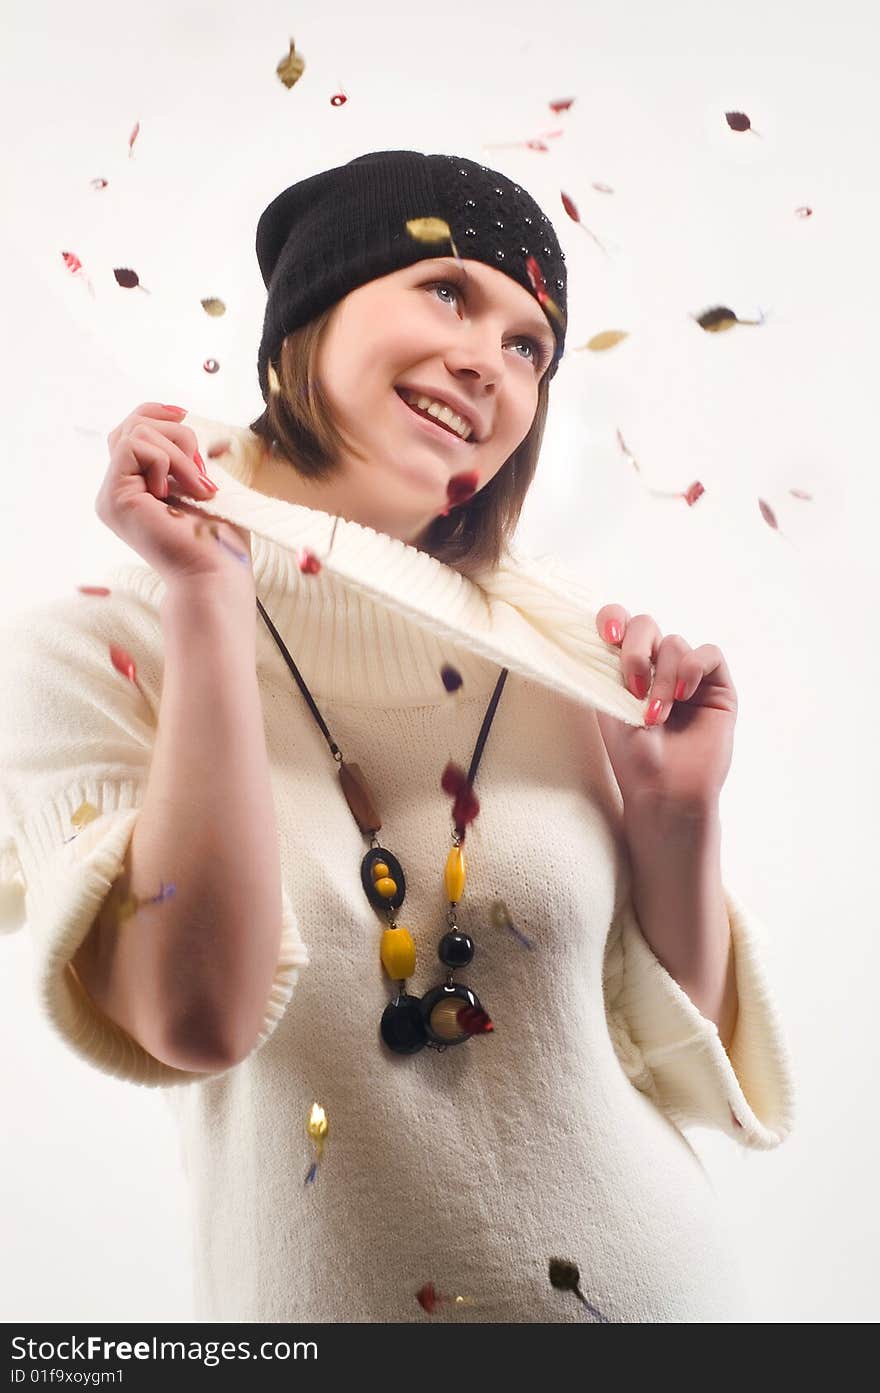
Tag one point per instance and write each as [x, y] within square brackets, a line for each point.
[450, 1013]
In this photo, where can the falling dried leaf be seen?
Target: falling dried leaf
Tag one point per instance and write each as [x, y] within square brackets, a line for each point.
[128, 279]
[214, 307]
[98, 183]
[451, 677]
[563, 105]
[85, 813]
[804, 212]
[738, 121]
[606, 339]
[210, 365]
[93, 589]
[291, 67]
[133, 137]
[768, 514]
[800, 493]
[338, 99]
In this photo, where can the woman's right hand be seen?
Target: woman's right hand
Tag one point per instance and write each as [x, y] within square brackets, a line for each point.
[151, 455]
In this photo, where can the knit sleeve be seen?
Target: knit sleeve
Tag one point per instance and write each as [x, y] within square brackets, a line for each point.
[75, 746]
[674, 1054]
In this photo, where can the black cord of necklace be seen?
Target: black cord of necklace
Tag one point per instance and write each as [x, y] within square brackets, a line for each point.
[334, 748]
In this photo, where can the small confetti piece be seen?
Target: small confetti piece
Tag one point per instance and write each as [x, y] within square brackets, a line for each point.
[452, 679]
[474, 1021]
[466, 805]
[460, 489]
[93, 589]
[124, 663]
[317, 1127]
[75, 266]
[429, 1298]
[309, 563]
[501, 919]
[565, 1276]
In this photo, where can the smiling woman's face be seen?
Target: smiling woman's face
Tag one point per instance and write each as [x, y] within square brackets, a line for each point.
[466, 334]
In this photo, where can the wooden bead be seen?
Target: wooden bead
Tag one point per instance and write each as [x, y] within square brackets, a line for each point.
[455, 874]
[398, 953]
[386, 887]
[359, 798]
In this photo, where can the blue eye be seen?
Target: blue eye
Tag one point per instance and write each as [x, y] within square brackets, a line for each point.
[540, 354]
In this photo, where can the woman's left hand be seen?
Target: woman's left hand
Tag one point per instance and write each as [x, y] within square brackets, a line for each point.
[682, 760]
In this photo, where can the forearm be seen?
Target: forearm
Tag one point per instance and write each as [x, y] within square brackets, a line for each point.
[202, 960]
[679, 903]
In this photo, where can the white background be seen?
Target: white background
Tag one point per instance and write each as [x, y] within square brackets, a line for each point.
[93, 1209]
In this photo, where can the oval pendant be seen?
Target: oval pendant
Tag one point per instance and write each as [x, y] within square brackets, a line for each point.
[439, 1009]
[402, 1027]
[386, 889]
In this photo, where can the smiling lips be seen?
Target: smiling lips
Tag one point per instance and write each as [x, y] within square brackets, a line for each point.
[431, 423]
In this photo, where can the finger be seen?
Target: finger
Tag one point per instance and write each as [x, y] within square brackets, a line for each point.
[638, 653]
[148, 408]
[611, 621]
[180, 470]
[673, 655]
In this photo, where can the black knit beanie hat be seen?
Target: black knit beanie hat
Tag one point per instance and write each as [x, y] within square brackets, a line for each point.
[339, 229]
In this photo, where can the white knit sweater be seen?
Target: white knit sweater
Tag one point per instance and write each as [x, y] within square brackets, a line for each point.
[558, 1134]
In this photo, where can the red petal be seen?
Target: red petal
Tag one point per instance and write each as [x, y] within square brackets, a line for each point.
[427, 1296]
[309, 563]
[123, 662]
[453, 780]
[474, 1020]
[570, 208]
[462, 487]
[93, 589]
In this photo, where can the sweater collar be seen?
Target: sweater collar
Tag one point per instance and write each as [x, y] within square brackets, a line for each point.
[527, 615]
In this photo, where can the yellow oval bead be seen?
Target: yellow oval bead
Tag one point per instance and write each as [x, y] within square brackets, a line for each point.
[455, 874]
[386, 887]
[379, 869]
[398, 953]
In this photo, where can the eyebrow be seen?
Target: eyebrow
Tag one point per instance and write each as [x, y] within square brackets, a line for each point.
[538, 327]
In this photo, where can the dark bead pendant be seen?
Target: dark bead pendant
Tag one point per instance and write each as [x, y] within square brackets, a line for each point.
[374, 856]
[403, 1027]
[456, 949]
[439, 1009]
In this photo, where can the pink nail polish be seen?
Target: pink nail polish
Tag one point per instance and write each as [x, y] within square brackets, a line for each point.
[640, 683]
[679, 689]
[612, 631]
[653, 714]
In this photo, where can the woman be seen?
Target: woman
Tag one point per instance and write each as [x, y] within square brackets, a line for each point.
[339, 731]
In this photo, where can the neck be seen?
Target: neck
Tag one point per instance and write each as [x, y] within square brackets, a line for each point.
[355, 500]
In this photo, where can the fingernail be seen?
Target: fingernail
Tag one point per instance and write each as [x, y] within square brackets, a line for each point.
[200, 462]
[653, 715]
[181, 410]
[612, 631]
[640, 685]
[209, 484]
[679, 689]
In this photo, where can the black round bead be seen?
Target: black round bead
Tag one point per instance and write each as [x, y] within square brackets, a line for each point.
[456, 949]
[403, 1025]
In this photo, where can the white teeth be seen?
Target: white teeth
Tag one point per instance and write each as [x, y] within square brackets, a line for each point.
[440, 412]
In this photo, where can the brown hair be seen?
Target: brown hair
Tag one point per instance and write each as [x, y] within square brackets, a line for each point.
[298, 425]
